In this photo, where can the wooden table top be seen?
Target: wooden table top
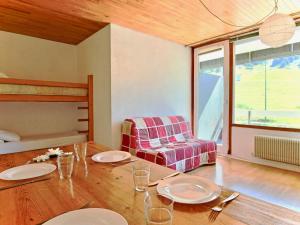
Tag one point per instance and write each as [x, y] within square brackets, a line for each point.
[111, 187]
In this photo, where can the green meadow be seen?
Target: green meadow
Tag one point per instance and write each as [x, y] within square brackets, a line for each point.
[282, 95]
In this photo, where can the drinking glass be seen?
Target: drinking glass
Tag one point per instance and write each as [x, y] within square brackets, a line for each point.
[80, 151]
[65, 165]
[158, 209]
[141, 174]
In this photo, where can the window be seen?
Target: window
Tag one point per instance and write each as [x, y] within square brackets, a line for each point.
[210, 95]
[267, 84]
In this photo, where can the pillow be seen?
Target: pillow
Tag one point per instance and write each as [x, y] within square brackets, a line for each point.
[6, 135]
[3, 75]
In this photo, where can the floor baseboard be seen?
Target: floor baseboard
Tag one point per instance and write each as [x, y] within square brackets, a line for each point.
[263, 162]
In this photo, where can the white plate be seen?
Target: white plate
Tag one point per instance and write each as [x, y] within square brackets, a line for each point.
[91, 216]
[111, 156]
[27, 171]
[189, 189]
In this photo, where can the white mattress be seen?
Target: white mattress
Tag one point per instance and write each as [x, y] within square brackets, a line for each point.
[40, 90]
[42, 141]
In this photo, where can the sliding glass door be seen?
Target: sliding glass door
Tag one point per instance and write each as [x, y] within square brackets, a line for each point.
[211, 94]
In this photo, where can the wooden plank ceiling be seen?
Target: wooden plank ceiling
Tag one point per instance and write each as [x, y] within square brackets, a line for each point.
[182, 21]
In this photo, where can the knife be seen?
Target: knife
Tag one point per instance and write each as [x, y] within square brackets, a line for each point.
[157, 181]
[23, 183]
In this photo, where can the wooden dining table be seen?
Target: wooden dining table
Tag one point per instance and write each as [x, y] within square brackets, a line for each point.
[104, 185]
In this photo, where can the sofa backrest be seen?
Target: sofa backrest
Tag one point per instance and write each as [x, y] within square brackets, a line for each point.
[152, 132]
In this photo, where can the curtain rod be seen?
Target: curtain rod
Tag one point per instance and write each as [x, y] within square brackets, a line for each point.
[244, 32]
[250, 34]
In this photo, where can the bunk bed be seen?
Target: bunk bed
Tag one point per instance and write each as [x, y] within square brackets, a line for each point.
[22, 90]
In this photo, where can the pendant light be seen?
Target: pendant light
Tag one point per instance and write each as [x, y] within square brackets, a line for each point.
[277, 29]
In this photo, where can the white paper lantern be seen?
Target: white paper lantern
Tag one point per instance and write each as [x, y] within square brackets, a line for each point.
[277, 30]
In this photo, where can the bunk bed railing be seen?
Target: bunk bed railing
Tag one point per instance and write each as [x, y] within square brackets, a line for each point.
[42, 83]
[41, 98]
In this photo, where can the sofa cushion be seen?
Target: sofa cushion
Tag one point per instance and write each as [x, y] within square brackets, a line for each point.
[10, 136]
[182, 156]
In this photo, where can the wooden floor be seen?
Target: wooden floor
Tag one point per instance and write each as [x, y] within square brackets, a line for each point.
[277, 186]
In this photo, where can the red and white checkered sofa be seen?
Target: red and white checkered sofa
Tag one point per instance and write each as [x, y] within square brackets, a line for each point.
[167, 141]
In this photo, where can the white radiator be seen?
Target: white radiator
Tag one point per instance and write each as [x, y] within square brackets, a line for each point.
[278, 149]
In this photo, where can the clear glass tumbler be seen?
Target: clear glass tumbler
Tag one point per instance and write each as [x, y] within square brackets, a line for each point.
[158, 209]
[65, 165]
[141, 175]
[80, 151]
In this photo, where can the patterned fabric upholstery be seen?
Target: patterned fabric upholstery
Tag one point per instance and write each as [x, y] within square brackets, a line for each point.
[167, 141]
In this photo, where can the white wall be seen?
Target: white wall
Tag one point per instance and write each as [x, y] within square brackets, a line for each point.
[149, 77]
[243, 145]
[33, 58]
[94, 58]
[135, 75]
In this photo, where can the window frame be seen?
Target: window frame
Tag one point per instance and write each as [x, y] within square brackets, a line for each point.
[225, 45]
[231, 123]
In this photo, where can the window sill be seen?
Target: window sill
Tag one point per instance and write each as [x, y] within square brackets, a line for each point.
[267, 128]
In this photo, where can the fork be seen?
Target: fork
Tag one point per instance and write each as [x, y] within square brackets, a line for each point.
[217, 209]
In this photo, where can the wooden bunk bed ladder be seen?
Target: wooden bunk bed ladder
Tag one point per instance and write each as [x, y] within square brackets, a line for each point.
[91, 108]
